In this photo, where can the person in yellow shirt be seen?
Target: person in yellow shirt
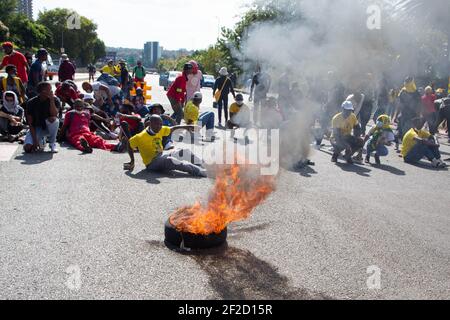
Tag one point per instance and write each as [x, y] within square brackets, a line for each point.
[110, 69]
[192, 116]
[239, 117]
[346, 133]
[150, 145]
[419, 143]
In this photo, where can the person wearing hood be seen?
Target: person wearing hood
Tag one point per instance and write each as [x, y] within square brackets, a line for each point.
[13, 83]
[222, 88]
[77, 132]
[378, 138]
[194, 81]
[177, 92]
[11, 116]
[66, 69]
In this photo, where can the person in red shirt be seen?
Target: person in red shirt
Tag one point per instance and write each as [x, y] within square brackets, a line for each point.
[17, 59]
[177, 93]
[66, 93]
[77, 132]
[66, 69]
[429, 111]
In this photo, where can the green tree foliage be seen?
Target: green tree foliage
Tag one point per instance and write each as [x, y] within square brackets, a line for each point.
[7, 7]
[78, 37]
[29, 34]
[4, 32]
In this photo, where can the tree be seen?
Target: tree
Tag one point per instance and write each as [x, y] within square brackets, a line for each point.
[4, 32]
[29, 34]
[77, 34]
[7, 7]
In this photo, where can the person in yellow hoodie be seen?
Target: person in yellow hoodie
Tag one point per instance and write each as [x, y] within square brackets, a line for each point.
[192, 116]
[419, 143]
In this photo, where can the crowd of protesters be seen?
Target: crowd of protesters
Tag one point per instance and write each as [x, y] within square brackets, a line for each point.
[111, 113]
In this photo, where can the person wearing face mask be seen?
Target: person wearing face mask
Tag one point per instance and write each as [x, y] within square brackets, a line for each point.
[378, 138]
[194, 81]
[77, 132]
[239, 116]
[11, 116]
[150, 145]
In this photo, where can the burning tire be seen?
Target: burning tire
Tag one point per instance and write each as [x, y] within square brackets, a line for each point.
[193, 241]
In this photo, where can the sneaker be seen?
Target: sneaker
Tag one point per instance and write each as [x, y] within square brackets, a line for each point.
[53, 148]
[442, 164]
[86, 147]
[334, 158]
[203, 173]
[435, 163]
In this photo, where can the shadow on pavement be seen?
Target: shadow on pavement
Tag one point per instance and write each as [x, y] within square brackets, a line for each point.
[34, 158]
[390, 169]
[237, 274]
[426, 166]
[154, 178]
[355, 168]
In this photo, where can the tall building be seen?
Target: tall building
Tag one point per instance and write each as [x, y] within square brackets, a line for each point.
[152, 54]
[26, 7]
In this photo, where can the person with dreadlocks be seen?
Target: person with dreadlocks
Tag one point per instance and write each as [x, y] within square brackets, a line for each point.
[378, 138]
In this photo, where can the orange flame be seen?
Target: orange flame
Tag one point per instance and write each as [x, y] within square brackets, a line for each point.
[238, 190]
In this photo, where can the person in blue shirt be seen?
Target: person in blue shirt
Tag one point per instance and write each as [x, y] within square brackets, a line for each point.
[37, 73]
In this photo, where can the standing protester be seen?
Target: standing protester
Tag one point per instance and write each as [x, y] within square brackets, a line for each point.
[92, 70]
[343, 125]
[139, 73]
[429, 111]
[11, 116]
[177, 93]
[222, 88]
[42, 117]
[259, 89]
[13, 83]
[444, 114]
[150, 145]
[194, 81]
[419, 143]
[192, 116]
[125, 79]
[66, 69]
[17, 59]
[37, 73]
[409, 106]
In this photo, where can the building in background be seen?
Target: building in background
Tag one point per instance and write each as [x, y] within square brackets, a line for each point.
[26, 7]
[152, 54]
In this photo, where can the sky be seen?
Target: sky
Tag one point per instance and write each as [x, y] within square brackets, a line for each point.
[189, 24]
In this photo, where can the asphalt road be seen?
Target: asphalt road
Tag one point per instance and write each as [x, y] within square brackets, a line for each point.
[77, 226]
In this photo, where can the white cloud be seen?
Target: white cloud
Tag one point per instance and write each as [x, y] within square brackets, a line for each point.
[191, 24]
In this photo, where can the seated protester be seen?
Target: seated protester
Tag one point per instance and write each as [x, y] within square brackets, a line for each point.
[158, 109]
[101, 121]
[419, 143]
[342, 139]
[11, 116]
[112, 110]
[13, 83]
[150, 146]
[379, 137]
[191, 116]
[139, 103]
[42, 117]
[130, 119]
[78, 134]
[99, 90]
[66, 94]
[239, 116]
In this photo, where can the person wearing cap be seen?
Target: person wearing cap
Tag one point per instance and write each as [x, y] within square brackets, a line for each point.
[66, 69]
[151, 148]
[17, 59]
[194, 81]
[192, 116]
[13, 83]
[345, 134]
[419, 143]
[76, 129]
[139, 73]
[239, 116]
[37, 72]
[158, 109]
[223, 86]
[177, 93]
[379, 137]
[66, 93]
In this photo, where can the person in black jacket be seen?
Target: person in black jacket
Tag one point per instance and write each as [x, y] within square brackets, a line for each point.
[226, 85]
